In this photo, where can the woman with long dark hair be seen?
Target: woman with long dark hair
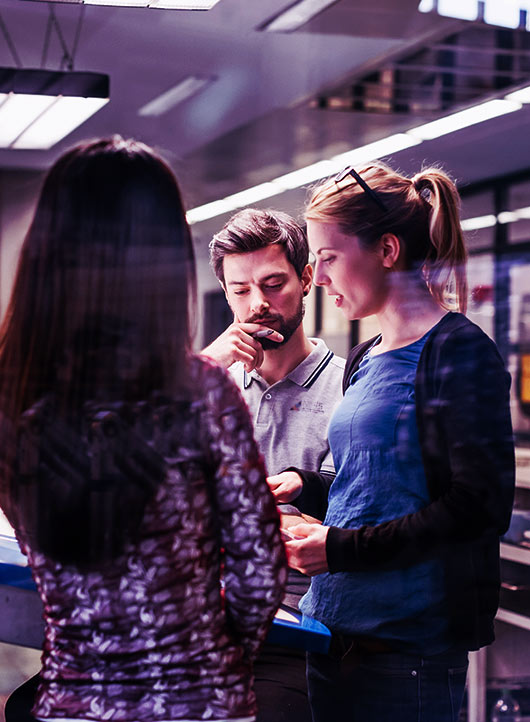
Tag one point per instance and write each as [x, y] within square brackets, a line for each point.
[129, 470]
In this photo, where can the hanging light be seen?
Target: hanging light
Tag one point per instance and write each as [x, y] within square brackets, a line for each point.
[40, 107]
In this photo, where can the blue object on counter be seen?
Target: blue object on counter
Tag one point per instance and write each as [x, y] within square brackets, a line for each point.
[10, 551]
[519, 531]
[16, 576]
[304, 633]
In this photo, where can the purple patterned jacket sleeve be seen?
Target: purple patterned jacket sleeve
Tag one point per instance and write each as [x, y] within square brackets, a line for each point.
[254, 555]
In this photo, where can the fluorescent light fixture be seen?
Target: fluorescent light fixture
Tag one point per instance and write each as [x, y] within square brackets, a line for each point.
[508, 217]
[175, 95]
[40, 107]
[163, 4]
[426, 6]
[378, 149]
[120, 3]
[309, 174]
[519, 96]
[506, 14]
[183, 4]
[231, 203]
[296, 15]
[300, 177]
[473, 224]
[464, 118]
[58, 121]
[13, 107]
[502, 13]
[512, 216]
[208, 210]
[371, 151]
[462, 9]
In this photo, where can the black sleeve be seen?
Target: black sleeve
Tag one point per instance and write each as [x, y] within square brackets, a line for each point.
[313, 500]
[467, 446]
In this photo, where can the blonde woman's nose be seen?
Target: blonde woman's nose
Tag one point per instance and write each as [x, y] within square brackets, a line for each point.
[319, 277]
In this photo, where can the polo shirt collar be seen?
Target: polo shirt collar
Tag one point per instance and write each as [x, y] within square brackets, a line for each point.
[306, 372]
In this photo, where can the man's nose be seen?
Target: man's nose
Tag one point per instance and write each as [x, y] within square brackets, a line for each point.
[258, 302]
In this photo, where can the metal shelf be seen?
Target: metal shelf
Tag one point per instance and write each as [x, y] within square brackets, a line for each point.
[513, 618]
[522, 483]
[515, 553]
[522, 467]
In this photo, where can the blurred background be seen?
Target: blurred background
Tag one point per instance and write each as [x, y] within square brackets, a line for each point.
[251, 103]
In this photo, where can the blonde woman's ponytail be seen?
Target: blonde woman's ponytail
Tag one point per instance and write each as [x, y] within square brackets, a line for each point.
[444, 268]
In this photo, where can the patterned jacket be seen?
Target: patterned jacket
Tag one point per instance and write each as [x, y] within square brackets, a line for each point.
[170, 628]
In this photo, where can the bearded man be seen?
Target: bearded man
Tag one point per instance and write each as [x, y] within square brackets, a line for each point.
[291, 384]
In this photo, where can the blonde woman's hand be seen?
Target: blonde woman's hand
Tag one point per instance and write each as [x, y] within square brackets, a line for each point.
[307, 551]
[285, 486]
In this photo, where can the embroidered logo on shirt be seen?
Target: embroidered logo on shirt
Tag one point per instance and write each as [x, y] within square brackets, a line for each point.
[308, 408]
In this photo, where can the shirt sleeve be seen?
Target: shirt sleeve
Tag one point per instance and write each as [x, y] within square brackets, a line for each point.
[254, 555]
[467, 445]
[313, 499]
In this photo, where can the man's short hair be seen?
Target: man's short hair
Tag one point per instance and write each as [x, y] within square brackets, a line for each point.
[251, 230]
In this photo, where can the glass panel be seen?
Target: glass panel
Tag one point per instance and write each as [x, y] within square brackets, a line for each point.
[478, 219]
[519, 362]
[518, 214]
[481, 303]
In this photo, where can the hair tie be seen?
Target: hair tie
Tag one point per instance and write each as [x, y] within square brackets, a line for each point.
[421, 188]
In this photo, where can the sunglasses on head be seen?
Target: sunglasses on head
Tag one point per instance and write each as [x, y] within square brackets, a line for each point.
[364, 185]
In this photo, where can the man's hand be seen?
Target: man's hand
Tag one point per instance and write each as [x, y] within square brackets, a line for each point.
[285, 486]
[238, 343]
[307, 553]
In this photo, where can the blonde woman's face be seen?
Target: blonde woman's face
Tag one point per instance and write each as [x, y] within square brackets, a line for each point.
[355, 276]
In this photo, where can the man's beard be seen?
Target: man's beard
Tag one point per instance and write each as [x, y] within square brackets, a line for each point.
[287, 327]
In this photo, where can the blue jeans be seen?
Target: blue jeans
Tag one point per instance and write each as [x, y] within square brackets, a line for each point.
[386, 687]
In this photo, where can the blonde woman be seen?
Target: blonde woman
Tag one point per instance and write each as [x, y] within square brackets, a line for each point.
[406, 563]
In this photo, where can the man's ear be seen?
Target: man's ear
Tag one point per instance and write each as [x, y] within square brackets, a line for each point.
[307, 279]
[390, 249]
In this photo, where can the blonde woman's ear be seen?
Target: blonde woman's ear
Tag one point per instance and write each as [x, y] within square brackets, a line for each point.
[390, 250]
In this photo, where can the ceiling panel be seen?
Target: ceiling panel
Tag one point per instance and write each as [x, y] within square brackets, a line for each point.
[255, 122]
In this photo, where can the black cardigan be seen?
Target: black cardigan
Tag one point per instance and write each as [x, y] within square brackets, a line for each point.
[465, 433]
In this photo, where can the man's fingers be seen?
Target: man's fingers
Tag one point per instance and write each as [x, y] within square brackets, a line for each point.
[300, 531]
[258, 330]
[250, 353]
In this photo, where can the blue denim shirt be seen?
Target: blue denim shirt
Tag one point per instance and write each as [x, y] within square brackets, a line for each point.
[380, 476]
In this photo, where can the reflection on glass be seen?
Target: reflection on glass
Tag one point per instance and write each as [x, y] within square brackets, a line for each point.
[518, 213]
[523, 371]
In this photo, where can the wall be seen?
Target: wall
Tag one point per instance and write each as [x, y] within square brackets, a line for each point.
[18, 194]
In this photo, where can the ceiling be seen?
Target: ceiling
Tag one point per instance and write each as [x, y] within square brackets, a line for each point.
[264, 115]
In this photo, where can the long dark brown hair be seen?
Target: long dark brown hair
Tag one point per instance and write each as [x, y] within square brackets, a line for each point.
[99, 314]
